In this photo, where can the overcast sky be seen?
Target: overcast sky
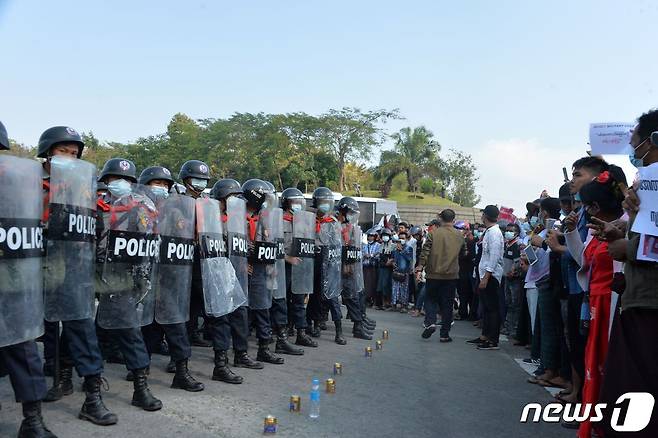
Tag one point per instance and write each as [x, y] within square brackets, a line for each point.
[514, 83]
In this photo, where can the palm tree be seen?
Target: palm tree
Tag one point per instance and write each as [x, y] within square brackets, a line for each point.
[415, 153]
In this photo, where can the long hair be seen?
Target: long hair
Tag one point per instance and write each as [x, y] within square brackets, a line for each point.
[606, 190]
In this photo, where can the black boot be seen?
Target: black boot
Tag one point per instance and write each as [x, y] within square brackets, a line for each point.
[323, 325]
[65, 386]
[370, 326]
[315, 331]
[222, 372]
[359, 332]
[304, 339]
[285, 347]
[93, 409]
[184, 380]
[142, 396]
[171, 367]
[131, 375]
[339, 339]
[370, 321]
[265, 355]
[291, 330]
[242, 360]
[33, 425]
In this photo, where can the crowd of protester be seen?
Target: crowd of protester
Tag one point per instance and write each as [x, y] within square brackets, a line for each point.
[563, 281]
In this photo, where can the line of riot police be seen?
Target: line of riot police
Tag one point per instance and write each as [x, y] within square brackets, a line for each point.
[114, 266]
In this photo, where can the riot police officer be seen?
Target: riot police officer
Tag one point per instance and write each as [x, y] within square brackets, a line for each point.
[127, 251]
[68, 277]
[208, 289]
[173, 280]
[262, 270]
[327, 265]
[233, 209]
[299, 233]
[279, 309]
[352, 269]
[21, 320]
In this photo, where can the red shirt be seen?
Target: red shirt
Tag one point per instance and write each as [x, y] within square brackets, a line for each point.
[601, 268]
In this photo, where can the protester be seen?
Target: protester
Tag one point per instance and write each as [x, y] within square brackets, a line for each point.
[512, 276]
[490, 270]
[371, 251]
[403, 258]
[440, 259]
[385, 277]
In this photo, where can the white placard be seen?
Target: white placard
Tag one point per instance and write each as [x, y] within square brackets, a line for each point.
[610, 138]
[646, 221]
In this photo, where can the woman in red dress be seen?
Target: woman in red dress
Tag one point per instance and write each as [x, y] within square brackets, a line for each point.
[601, 199]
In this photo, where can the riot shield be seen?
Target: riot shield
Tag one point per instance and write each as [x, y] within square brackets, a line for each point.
[222, 293]
[263, 255]
[236, 238]
[329, 246]
[303, 248]
[352, 262]
[173, 281]
[70, 241]
[21, 246]
[277, 234]
[126, 263]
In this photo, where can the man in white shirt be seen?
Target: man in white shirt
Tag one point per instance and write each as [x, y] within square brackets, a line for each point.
[491, 273]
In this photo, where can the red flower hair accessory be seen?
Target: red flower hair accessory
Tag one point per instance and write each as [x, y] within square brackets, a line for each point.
[603, 177]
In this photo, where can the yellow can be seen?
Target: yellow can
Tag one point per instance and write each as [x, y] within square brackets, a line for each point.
[331, 386]
[338, 369]
[295, 403]
[368, 351]
[379, 345]
[269, 425]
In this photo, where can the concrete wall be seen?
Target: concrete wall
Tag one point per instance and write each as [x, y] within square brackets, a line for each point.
[422, 214]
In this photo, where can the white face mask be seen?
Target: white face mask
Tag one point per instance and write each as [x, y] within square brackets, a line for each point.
[352, 217]
[199, 184]
[64, 163]
[295, 208]
[160, 192]
[385, 239]
[324, 208]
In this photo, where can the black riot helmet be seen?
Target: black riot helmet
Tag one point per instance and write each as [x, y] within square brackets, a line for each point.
[347, 204]
[322, 194]
[415, 230]
[291, 194]
[155, 172]
[4, 138]
[119, 167]
[256, 192]
[225, 188]
[194, 169]
[58, 134]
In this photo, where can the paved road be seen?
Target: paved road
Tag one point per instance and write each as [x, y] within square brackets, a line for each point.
[413, 388]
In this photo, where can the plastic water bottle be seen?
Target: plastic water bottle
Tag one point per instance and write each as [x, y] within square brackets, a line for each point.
[315, 399]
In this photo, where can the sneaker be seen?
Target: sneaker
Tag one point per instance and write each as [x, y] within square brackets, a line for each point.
[487, 345]
[446, 339]
[531, 361]
[428, 331]
[475, 341]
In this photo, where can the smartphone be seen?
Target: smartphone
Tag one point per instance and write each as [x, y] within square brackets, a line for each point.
[529, 251]
[550, 224]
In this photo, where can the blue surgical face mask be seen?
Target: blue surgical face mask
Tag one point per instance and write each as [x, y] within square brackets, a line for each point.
[63, 163]
[534, 221]
[160, 192]
[352, 217]
[509, 235]
[638, 162]
[324, 208]
[385, 239]
[295, 208]
[576, 197]
[119, 187]
[199, 184]
[477, 234]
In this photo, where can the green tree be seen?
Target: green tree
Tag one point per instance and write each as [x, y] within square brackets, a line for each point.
[351, 134]
[415, 153]
[461, 178]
